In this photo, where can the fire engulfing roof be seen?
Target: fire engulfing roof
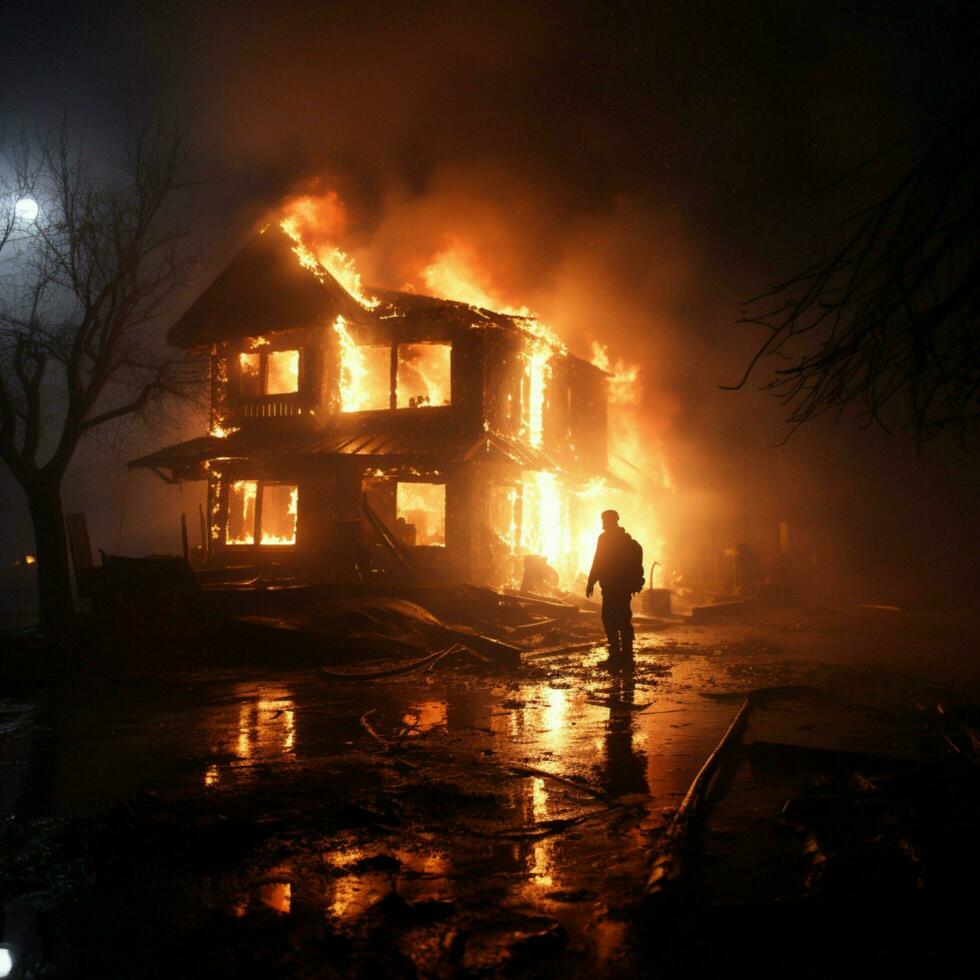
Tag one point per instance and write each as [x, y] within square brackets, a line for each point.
[351, 437]
[265, 289]
[262, 289]
[415, 307]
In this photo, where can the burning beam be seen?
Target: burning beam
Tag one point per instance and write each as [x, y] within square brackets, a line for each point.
[328, 260]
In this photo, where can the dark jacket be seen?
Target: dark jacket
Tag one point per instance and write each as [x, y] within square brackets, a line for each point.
[618, 563]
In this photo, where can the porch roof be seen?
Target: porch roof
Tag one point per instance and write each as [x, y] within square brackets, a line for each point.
[351, 437]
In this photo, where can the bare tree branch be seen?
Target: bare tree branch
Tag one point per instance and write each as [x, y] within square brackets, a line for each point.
[84, 286]
[889, 321]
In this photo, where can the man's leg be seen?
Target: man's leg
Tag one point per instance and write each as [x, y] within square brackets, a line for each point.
[610, 621]
[625, 629]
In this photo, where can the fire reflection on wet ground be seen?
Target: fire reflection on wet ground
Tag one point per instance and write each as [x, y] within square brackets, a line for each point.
[486, 811]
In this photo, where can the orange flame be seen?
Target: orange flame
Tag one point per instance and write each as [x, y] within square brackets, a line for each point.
[537, 357]
[288, 519]
[635, 456]
[624, 385]
[452, 274]
[424, 375]
[322, 217]
[242, 495]
[423, 506]
[364, 372]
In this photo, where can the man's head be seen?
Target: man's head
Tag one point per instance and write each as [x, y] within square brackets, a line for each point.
[610, 520]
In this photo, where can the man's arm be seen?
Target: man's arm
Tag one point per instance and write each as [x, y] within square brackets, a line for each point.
[594, 572]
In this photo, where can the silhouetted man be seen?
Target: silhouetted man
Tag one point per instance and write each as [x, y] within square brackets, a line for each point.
[618, 568]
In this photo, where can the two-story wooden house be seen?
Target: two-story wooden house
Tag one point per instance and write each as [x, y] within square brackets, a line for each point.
[407, 438]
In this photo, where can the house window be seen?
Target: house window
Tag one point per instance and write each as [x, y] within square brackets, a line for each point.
[242, 496]
[268, 372]
[263, 512]
[282, 372]
[250, 374]
[424, 374]
[279, 513]
[365, 378]
[420, 512]
[371, 379]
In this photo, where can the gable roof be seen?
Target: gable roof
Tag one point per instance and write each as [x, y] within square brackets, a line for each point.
[392, 436]
[262, 289]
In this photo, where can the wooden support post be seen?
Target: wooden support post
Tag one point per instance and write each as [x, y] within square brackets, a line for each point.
[393, 393]
[204, 529]
[183, 538]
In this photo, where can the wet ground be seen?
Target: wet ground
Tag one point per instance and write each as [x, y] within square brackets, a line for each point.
[462, 821]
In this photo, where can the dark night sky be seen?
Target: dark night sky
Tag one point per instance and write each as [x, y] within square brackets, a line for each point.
[664, 158]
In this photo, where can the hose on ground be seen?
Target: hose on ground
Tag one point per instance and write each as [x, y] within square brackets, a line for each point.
[425, 663]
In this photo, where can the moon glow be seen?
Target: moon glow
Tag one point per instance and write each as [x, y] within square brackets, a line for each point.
[26, 210]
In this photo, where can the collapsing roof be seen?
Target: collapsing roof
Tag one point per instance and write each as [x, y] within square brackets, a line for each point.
[265, 289]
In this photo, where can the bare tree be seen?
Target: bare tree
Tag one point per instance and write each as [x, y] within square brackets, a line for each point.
[91, 255]
[889, 322]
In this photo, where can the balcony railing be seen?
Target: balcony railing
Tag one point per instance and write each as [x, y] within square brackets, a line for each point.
[266, 409]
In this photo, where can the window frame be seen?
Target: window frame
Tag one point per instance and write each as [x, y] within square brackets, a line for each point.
[394, 375]
[392, 348]
[445, 505]
[260, 486]
[263, 354]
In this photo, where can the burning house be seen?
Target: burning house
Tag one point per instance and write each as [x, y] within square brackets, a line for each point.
[361, 435]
